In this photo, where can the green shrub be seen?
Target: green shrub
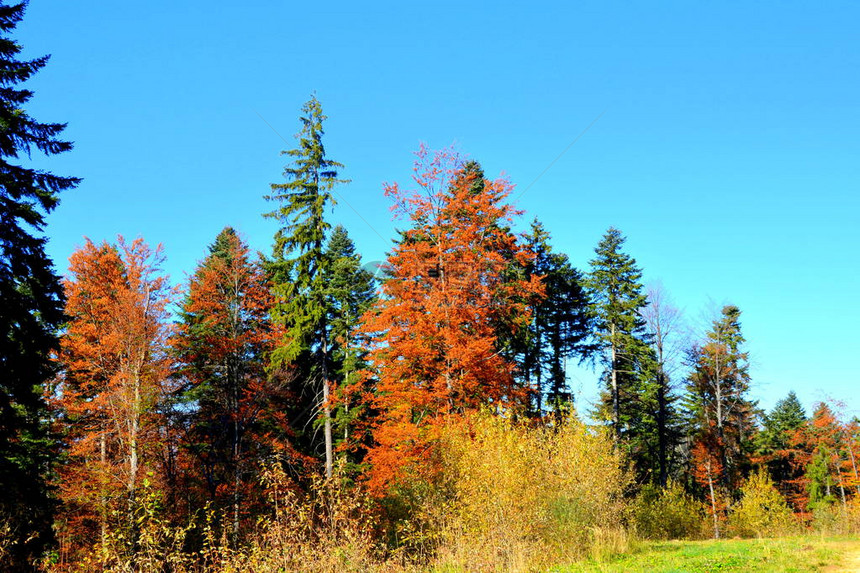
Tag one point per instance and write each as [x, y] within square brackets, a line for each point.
[762, 511]
[667, 513]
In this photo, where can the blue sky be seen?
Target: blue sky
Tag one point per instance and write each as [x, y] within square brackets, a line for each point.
[727, 149]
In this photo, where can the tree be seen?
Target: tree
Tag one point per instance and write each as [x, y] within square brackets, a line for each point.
[664, 325]
[350, 293]
[114, 377]
[821, 452]
[31, 309]
[774, 442]
[434, 348]
[235, 410]
[706, 470]
[298, 266]
[718, 386]
[617, 301]
[560, 324]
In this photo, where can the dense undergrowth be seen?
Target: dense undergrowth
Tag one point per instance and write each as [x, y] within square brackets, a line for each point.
[507, 496]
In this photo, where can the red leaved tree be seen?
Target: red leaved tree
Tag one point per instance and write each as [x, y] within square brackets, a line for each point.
[114, 378]
[450, 288]
[236, 411]
[708, 470]
[825, 450]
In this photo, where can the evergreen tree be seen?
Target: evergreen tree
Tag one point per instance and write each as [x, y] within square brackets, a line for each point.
[560, 325]
[31, 307]
[820, 480]
[774, 442]
[233, 408]
[298, 270]
[617, 300]
[351, 292]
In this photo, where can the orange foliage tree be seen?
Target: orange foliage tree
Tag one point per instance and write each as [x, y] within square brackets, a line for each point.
[113, 380]
[825, 449]
[450, 287]
[236, 412]
[707, 470]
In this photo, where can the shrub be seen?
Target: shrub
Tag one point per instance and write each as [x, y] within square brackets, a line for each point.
[762, 511]
[667, 513]
[525, 497]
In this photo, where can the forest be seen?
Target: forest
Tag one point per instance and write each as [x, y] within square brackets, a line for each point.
[293, 409]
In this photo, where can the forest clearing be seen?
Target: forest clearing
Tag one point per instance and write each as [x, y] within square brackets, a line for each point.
[246, 388]
[789, 554]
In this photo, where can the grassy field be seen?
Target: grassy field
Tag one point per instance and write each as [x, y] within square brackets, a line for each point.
[793, 554]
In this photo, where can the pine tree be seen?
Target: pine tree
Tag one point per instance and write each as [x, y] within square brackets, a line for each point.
[774, 442]
[31, 307]
[617, 301]
[560, 326]
[298, 269]
[350, 293]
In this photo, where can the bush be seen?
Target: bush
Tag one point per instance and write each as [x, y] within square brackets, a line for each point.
[667, 513]
[525, 497]
[762, 511]
[836, 518]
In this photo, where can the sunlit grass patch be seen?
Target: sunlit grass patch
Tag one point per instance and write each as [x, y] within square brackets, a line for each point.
[790, 554]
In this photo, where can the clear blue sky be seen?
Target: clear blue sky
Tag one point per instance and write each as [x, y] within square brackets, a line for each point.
[728, 153]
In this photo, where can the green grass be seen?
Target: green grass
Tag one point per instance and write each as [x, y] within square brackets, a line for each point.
[790, 554]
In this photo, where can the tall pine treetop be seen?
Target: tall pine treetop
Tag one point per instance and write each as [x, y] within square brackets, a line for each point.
[617, 299]
[297, 267]
[306, 194]
[786, 417]
[615, 287]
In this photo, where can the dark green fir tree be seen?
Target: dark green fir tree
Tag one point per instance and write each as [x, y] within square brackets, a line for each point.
[31, 307]
[617, 300]
[560, 326]
[774, 443]
[351, 292]
[298, 271]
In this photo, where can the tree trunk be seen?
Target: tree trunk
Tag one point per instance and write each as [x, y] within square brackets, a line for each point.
[616, 423]
[854, 466]
[103, 497]
[329, 452]
[841, 489]
[662, 415]
[236, 463]
[713, 503]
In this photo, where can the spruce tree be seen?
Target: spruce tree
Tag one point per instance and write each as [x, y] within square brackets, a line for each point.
[31, 308]
[350, 293]
[774, 442]
[298, 270]
[560, 326]
[615, 289]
